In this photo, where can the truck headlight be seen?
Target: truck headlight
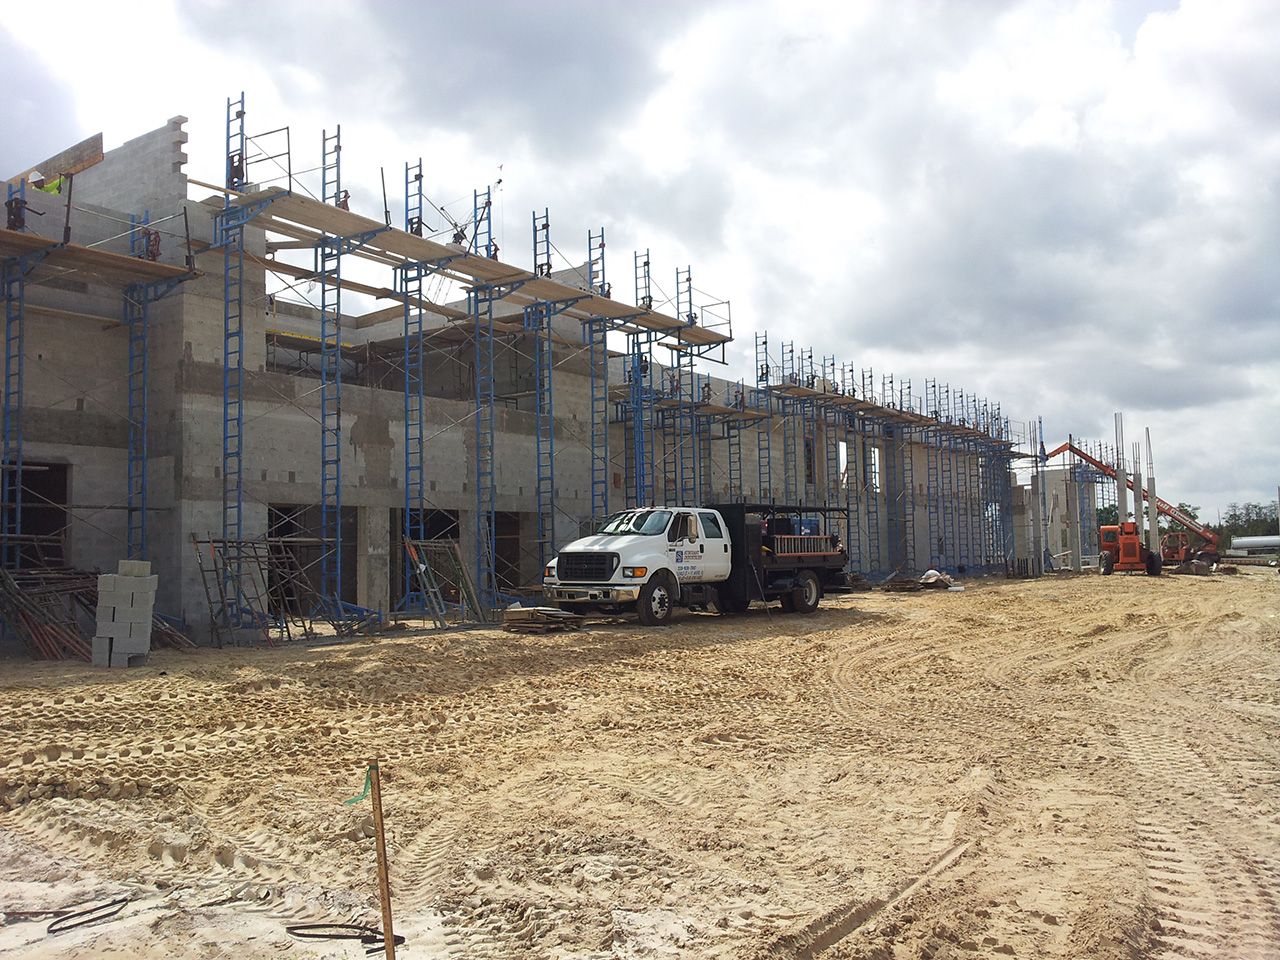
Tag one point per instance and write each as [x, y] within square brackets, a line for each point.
[635, 573]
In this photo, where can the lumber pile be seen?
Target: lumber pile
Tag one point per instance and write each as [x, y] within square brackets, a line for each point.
[50, 609]
[900, 584]
[541, 619]
[42, 606]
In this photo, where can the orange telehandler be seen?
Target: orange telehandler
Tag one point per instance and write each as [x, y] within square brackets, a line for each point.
[1175, 547]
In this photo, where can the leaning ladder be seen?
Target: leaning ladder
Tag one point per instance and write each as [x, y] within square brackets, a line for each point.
[428, 586]
[443, 557]
[215, 612]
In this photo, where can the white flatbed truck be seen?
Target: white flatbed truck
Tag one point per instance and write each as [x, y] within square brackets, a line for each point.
[652, 559]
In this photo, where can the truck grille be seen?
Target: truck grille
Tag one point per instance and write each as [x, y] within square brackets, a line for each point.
[586, 567]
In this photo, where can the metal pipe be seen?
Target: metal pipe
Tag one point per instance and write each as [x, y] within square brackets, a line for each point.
[1122, 478]
[1137, 491]
[1270, 542]
[1153, 508]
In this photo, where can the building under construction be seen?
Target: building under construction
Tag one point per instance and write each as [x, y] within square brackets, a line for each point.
[278, 401]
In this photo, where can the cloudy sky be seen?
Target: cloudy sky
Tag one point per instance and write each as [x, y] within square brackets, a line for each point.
[1069, 208]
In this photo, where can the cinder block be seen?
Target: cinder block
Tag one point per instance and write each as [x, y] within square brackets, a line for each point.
[107, 581]
[102, 651]
[134, 568]
[130, 615]
[141, 631]
[129, 659]
[115, 598]
[137, 584]
[130, 645]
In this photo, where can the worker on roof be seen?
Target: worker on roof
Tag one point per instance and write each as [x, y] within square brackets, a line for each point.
[48, 186]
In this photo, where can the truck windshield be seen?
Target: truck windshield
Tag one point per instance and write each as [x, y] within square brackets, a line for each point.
[645, 522]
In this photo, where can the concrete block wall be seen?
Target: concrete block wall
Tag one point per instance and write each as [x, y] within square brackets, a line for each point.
[77, 397]
[144, 173]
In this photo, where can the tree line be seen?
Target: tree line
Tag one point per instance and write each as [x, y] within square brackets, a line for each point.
[1240, 520]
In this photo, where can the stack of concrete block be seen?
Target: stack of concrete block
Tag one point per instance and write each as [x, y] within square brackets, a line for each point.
[125, 603]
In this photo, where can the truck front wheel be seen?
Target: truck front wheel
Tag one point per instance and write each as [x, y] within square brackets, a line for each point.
[807, 592]
[655, 601]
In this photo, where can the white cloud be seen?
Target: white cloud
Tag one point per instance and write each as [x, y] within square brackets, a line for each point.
[1068, 207]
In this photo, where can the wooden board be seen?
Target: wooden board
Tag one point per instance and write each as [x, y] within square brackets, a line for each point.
[70, 161]
[85, 263]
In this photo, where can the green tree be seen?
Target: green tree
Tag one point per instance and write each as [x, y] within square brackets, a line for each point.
[1247, 520]
[1108, 516]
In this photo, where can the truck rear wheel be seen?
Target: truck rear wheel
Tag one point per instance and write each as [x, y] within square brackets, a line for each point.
[729, 601]
[655, 601]
[807, 592]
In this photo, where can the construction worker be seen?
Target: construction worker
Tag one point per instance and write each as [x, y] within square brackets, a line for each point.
[37, 180]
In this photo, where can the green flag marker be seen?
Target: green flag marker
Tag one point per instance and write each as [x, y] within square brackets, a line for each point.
[368, 779]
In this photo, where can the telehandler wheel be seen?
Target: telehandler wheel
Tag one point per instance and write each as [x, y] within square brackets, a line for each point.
[1106, 563]
[655, 601]
[807, 592]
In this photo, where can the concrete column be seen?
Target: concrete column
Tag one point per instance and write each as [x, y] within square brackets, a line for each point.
[373, 557]
[1037, 528]
[1074, 520]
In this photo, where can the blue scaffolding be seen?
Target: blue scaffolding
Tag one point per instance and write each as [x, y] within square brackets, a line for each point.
[703, 427]
[638, 371]
[136, 298]
[598, 361]
[329, 250]
[786, 409]
[15, 272]
[537, 321]
[762, 401]
[411, 279]
[680, 409]
[329, 273]
[892, 476]
[480, 301]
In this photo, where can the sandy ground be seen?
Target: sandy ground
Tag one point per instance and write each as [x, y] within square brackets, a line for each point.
[1067, 767]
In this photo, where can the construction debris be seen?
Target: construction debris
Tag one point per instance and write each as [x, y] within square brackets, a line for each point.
[53, 611]
[42, 607]
[541, 619]
[935, 580]
[901, 584]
